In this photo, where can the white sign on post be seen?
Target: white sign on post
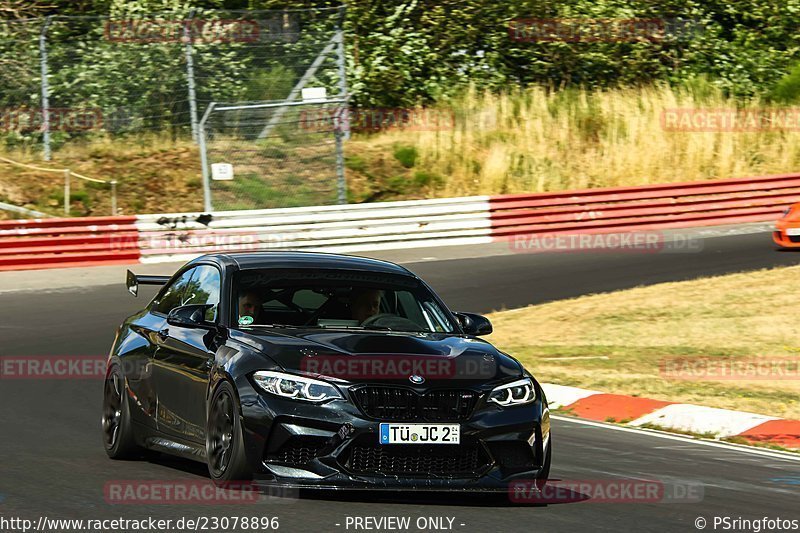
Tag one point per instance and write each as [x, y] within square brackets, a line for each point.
[314, 94]
[221, 171]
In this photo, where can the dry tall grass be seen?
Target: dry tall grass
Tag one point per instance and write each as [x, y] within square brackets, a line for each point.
[617, 342]
[536, 140]
[525, 140]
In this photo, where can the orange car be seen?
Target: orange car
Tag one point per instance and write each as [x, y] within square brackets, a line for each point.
[787, 229]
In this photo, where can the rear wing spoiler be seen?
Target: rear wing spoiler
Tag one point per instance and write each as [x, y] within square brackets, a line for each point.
[132, 281]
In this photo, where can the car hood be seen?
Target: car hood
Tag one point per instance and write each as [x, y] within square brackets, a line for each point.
[385, 357]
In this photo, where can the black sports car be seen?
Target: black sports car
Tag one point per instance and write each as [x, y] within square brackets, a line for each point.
[320, 370]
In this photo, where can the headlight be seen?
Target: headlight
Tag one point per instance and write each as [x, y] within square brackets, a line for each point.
[296, 387]
[516, 393]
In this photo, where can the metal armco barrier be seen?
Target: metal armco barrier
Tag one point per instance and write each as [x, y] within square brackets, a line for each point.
[63, 242]
[674, 205]
[352, 228]
[364, 227]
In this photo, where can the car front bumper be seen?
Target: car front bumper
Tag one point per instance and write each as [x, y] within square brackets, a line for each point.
[787, 234]
[335, 446]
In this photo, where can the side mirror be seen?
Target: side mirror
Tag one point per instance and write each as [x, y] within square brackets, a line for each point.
[190, 316]
[474, 324]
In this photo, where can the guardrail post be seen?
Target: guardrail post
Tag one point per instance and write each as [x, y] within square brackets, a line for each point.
[66, 192]
[113, 197]
[45, 87]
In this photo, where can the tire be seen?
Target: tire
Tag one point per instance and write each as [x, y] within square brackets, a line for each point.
[118, 435]
[225, 455]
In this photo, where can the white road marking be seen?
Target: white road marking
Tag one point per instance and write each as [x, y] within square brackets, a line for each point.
[578, 358]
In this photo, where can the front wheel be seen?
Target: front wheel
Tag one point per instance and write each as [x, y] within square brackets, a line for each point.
[225, 454]
[118, 436]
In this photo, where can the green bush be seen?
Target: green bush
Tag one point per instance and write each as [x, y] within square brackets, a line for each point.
[787, 90]
[427, 179]
[397, 184]
[406, 155]
[355, 162]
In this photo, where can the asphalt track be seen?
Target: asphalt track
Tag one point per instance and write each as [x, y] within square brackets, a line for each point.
[52, 463]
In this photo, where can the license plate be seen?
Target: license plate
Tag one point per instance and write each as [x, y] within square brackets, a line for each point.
[793, 232]
[419, 433]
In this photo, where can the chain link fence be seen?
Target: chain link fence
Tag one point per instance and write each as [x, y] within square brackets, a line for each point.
[137, 77]
[261, 151]
[284, 154]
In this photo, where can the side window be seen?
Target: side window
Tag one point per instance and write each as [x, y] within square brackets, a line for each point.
[172, 297]
[409, 308]
[204, 289]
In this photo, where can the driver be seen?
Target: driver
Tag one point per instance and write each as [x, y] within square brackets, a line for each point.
[250, 303]
[365, 303]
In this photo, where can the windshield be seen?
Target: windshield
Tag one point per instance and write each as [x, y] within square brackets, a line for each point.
[336, 299]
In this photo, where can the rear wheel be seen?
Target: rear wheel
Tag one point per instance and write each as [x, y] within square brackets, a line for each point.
[226, 458]
[118, 436]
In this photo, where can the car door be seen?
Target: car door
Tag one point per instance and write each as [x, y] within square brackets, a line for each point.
[145, 385]
[184, 357]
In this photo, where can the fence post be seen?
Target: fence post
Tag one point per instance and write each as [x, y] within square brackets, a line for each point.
[187, 33]
[113, 197]
[66, 192]
[342, 132]
[201, 136]
[341, 65]
[341, 188]
[45, 87]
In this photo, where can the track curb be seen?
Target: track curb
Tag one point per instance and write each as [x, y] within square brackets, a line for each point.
[685, 418]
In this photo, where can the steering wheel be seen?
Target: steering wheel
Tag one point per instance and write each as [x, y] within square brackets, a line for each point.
[391, 321]
[374, 318]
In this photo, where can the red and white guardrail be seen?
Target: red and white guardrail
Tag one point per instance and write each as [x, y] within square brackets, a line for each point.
[51, 243]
